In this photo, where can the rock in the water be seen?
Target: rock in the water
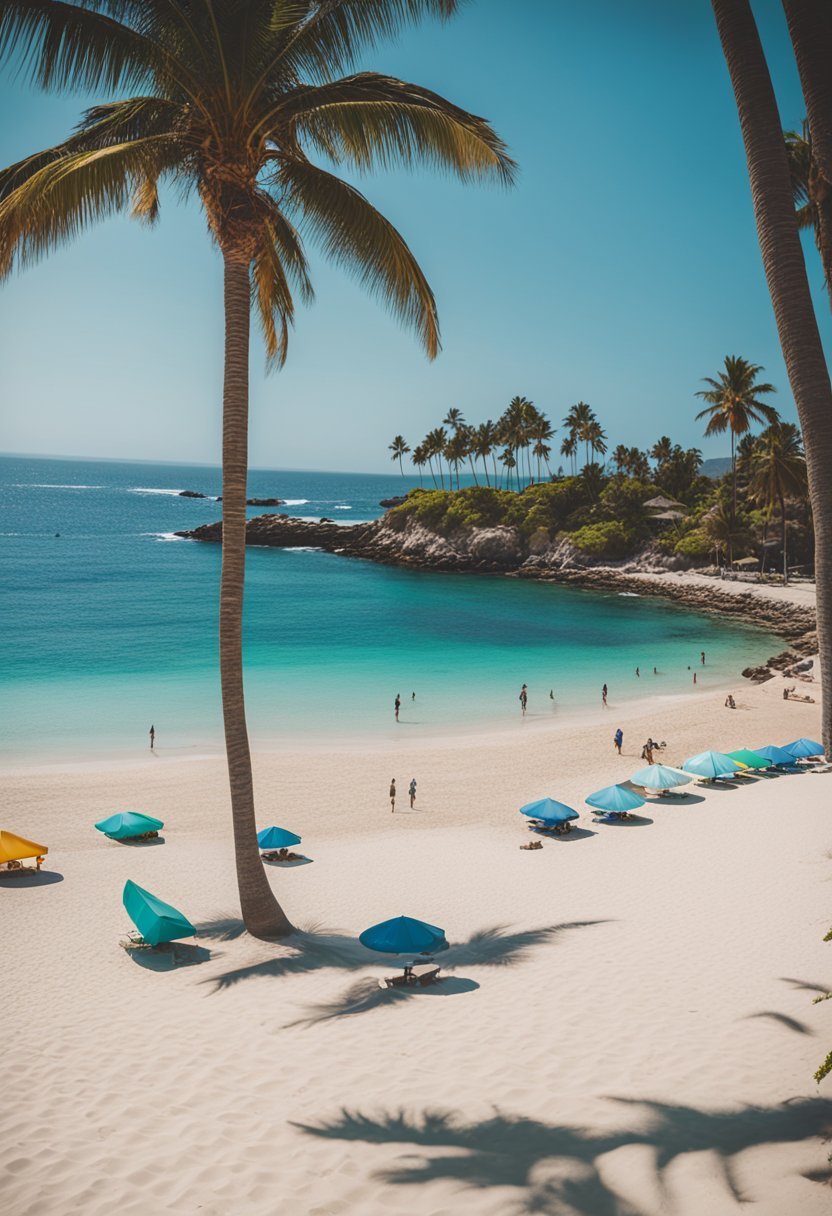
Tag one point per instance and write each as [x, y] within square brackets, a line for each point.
[191, 494]
[395, 501]
[258, 502]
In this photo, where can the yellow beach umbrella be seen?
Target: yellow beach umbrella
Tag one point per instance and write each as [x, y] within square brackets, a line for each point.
[16, 848]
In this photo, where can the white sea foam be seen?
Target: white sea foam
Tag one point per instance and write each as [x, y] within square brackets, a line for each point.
[295, 502]
[629, 595]
[164, 536]
[151, 490]
[347, 508]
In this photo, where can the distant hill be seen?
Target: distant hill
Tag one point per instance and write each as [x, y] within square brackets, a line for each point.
[716, 467]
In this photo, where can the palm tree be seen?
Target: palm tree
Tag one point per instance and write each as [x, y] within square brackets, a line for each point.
[569, 448]
[228, 98]
[419, 459]
[435, 442]
[621, 459]
[540, 432]
[454, 419]
[580, 416]
[399, 448]
[662, 450]
[812, 196]
[482, 445]
[721, 526]
[778, 472]
[771, 191]
[733, 405]
[595, 436]
[455, 452]
[508, 461]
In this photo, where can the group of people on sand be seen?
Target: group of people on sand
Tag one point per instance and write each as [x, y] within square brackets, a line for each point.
[411, 791]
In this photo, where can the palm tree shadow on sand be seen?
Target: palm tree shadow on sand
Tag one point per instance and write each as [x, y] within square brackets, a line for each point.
[314, 949]
[555, 1168]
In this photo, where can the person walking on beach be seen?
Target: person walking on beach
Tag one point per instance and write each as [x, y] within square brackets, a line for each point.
[412, 792]
[524, 699]
[397, 704]
[392, 794]
[152, 733]
[604, 695]
[413, 696]
[618, 739]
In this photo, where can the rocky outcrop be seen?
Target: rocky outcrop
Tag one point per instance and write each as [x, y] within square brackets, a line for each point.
[502, 550]
[191, 494]
[395, 501]
[254, 502]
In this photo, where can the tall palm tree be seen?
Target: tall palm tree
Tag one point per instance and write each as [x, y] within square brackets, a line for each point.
[576, 421]
[509, 462]
[482, 445]
[771, 191]
[812, 196]
[454, 418]
[418, 459]
[778, 472]
[399, 448]
[540, 432]
[228, 96]
[662, 450]
[621, 458]
[733, 405]
[569, 449]
[435, 441]
[595, 436]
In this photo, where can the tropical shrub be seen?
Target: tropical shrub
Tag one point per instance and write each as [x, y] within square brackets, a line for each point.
[608, 539]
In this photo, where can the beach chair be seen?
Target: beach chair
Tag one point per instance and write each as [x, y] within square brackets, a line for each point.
[426, 973]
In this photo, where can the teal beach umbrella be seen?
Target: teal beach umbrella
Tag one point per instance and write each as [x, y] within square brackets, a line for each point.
[156, 921]
[549, 811]
[802, 749]
[404, 935]
[276, 838]
[615, 798]
[748, 758]
[711, 765]
[127, 824]
[660, 777]
[778, 756]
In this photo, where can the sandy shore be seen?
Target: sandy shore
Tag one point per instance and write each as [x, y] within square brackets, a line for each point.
[627, 1028]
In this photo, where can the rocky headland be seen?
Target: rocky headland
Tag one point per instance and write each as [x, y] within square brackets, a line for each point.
[504, 550]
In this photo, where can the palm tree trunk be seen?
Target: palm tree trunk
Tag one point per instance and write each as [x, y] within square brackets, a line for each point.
[789, 288]
[262, 914]
[733, 478]
[784, 535]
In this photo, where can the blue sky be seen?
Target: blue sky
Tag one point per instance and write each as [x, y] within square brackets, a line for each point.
[622, 268]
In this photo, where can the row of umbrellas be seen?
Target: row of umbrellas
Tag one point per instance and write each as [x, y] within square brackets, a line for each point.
[709, 765]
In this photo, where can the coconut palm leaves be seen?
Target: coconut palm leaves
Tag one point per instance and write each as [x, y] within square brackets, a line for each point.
[399, 447]
[247, 105]
[778, 472]
[734, 405]
[812, 196]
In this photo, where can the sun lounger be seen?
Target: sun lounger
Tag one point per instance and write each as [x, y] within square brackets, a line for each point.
[426, 973]
[280, 855]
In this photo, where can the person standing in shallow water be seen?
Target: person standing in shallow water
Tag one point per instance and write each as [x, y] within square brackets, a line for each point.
[392, 794]
[702, 657]
[397, 704]
[524, 699]
[152, 733]
[604, 695]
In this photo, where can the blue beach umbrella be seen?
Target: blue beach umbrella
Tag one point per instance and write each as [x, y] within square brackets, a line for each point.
[615, 798]
[549, 811]
[156, 921]
[777, 756]
[276, 838]
[660, 777]
[802, 749]
[712, 765]
[128, 823]
[404, 935]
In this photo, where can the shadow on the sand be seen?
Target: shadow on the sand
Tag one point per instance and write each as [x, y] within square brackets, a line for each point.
[574, 834]
[170, 956]
[782, 1019]
[632, 821]
[314, 950]
[675, 800]
[367, 994]
[135, 843]
[806, 985]
[29, 877]
[555, 1168]
[287, 863]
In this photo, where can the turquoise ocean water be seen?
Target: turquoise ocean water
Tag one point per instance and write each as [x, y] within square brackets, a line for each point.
[113, 624]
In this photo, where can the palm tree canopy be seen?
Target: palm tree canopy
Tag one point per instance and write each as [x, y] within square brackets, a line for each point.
[733, 398]
[778, 465]
[229, 97]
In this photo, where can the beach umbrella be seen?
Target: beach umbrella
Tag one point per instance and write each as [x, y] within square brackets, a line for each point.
[660, 777]
[777, 756]
[404, 935]
[802, 749]
[156, 921]
[128, 823]
[750, 759]
[549, 811]
[711, 765]
[615, 798]
[18, 848]
[276, 838]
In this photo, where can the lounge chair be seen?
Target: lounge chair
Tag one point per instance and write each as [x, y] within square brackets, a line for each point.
[426, 973]
[280, 855]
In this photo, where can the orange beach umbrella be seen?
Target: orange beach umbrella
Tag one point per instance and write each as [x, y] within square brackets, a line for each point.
[16, 848]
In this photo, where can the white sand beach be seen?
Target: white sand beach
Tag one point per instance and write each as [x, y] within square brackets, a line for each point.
[626, 1026]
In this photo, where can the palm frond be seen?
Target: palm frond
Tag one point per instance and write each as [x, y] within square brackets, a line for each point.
[357, 237]
[272, 296]
[61, 198]
[373, 120]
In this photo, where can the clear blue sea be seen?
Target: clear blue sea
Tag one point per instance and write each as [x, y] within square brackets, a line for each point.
[112, 624]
